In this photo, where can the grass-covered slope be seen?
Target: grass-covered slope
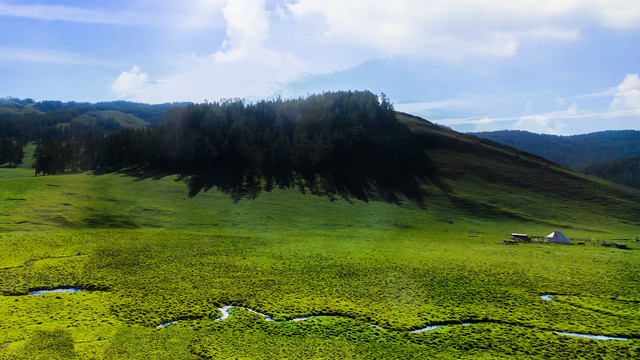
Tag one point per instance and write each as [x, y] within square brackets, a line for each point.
[493, 180]
[122, 120]
[10, 106]
[372, 272]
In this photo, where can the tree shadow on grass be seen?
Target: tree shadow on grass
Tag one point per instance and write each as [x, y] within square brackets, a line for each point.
[389, 176]
[389, 171]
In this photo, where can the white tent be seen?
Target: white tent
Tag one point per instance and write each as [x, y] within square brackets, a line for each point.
[557, 237]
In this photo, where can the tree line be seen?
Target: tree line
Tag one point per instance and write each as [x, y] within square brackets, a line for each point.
[53, 120]
[336, 144]
[622, 171]
[11, 151]
[24, 121]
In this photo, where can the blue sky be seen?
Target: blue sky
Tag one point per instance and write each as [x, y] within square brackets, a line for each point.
[548, 66]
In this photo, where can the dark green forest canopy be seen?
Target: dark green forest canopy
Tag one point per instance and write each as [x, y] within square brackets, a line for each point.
[337, 144]
[575, 151]
[622, 171]
[27, 120]
[11, 151]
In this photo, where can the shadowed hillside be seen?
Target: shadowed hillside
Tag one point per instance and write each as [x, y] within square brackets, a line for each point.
[343, 144]
[335, 145]
[621, 171]
[497, 180]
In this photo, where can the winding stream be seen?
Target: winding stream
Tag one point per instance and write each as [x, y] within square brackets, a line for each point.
[595, 337]
[433, 327]
[167, 324]
[42, 292]
[225, 314]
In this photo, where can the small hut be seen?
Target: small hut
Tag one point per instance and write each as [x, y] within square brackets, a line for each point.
[520, 237]
[557, 237]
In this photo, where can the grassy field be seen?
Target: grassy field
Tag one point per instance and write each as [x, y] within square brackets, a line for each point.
[370, 272]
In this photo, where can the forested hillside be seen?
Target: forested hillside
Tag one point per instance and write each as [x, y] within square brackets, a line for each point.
[621, 171]
[575, 151]
[346, 144]
[26, 120]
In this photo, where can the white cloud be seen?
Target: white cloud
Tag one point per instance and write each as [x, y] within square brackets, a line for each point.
[130, 83]
[616, 13]
[243, 68]
[537, 124]
[623, 113]
[247, 28]
[197, 13]
[452, 29]
[199, 78]
[264, 49]
[627, 96]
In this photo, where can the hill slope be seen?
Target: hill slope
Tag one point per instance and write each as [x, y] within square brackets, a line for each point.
[575, 151]
[56, 120]
[117, 118]
[10, 106]
[622, 171]
[476, 179]
[498, 179]
[160, 268]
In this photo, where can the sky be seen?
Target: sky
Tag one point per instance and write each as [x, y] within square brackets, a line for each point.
[547, 66]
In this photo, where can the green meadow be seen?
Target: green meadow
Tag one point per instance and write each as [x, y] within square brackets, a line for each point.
[370, 274]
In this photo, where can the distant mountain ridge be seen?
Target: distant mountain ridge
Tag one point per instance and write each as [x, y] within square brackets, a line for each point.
[28, 120]
[576, 151]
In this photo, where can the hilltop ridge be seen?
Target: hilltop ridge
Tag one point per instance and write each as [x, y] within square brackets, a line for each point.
[576, 151]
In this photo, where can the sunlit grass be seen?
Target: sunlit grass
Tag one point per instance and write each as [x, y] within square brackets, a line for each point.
[152, 255]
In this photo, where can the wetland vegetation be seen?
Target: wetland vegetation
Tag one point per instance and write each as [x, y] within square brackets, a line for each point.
[161, 268]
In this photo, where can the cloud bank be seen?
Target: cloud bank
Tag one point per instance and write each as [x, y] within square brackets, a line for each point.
[452, 29]
[624, 106]
[269, 45]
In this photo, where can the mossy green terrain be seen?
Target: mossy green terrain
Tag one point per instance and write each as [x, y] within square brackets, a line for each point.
[370, 273]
